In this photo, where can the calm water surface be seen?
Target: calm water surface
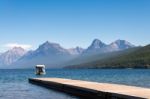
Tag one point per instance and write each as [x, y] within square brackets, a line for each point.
[14, 83]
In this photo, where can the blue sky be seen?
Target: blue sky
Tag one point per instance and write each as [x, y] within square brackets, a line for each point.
[73, 22]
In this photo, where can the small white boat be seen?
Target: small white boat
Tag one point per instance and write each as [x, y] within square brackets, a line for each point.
[40, 70]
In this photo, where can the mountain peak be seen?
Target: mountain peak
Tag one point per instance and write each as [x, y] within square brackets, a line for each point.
[96, 41]
[122, 44]
[17, 49]
[49, 48]
[47, 42]
[120, 41]
[12, 55]
[97, 44]
[48, 45]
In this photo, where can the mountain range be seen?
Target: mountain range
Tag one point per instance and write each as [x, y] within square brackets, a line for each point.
[98, 46]
[137, 57]
[55, 56]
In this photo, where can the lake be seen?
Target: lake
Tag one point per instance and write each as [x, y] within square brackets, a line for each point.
[14, 83]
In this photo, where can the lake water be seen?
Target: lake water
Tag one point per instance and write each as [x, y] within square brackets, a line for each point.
[14, 83]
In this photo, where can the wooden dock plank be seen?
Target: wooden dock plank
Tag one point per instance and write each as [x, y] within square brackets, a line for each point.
[98, 90]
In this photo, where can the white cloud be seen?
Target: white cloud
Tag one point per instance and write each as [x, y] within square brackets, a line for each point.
[24, 46]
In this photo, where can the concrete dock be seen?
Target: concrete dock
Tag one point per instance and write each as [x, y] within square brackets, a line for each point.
[92, 90]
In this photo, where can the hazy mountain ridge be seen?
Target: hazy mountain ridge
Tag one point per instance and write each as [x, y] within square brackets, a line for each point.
[50, 54]
[132, 58]
[55, 56]
[98, 46]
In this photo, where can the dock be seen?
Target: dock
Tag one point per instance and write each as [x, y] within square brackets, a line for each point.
[92, 90]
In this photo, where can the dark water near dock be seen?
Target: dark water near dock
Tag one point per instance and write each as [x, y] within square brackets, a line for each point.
[14, 83]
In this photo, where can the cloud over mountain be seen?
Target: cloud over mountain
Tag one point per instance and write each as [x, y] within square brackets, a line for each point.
[12, 45]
